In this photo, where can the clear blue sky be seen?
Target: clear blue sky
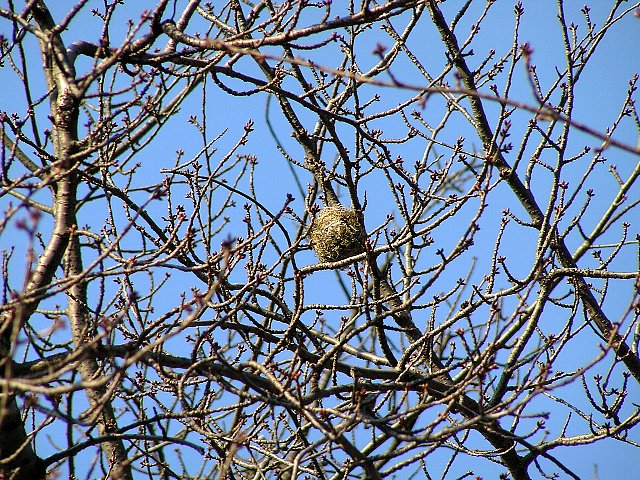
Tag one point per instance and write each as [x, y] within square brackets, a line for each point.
[600, 95]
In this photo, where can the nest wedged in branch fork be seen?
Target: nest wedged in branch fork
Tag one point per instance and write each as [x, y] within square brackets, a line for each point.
[337, 234]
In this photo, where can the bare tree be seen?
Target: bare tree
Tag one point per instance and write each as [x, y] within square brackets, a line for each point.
[313, 240]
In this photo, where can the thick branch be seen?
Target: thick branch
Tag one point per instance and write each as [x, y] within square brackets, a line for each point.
[525, 196]
[64, 107]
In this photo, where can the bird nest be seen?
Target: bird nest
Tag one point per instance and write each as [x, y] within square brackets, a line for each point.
[336, 234]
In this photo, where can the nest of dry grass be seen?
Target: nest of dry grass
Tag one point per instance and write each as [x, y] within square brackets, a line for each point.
[336, 234]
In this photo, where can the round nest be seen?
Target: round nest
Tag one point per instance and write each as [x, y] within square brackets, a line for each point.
[336, 234]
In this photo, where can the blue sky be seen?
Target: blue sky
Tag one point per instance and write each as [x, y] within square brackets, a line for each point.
[600, 94]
